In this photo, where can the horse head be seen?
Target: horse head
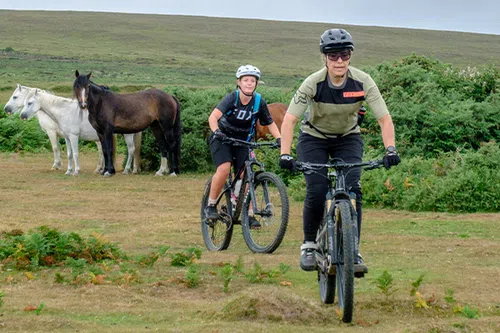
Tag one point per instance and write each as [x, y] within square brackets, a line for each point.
[16, 101]
[31, 106]
[81, 88]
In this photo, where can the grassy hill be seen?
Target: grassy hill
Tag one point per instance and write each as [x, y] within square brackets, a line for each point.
[44, 48]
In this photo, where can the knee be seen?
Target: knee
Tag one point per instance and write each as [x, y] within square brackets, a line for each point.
[315, 194]
[224, 169]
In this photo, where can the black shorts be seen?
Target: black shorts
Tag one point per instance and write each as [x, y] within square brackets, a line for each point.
[223, 152]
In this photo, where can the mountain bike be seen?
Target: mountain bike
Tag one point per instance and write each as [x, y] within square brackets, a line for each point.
[262, 197]
[337, 236]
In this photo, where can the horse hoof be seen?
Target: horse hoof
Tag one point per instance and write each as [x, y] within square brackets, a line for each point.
[126, 172]
[159, 174]
[68, 173]
[107, 174]
[173, 174]
[76, 173]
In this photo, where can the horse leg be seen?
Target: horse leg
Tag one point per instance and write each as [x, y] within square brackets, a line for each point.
[137, 154]
[73, 140]
[69, 150]
[169, 135]
[107, 147]
[100, 162]
[173, 133]
[56, 149]
[162, 145]
[129, 140]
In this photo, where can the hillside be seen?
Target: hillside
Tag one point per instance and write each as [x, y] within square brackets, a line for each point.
[44, 48]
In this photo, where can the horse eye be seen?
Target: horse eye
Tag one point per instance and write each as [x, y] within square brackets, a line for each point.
[14, 97]
[29, 104]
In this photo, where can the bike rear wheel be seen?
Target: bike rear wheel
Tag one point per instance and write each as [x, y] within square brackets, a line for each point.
[271, 213]
[326, 281]
[217, 234]
[344, 254]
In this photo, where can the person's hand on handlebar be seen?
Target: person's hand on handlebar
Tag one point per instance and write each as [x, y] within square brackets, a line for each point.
[391, 157]
[286, 161]
[220, 135]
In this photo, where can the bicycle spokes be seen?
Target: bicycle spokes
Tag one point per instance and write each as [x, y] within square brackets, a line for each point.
[265, 228]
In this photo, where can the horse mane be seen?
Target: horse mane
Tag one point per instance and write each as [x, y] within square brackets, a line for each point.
[32, 89]
[105, 88]
[54, 99]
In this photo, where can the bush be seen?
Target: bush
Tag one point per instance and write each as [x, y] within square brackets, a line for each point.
[17, 135]
[436, 108]
[453, 182]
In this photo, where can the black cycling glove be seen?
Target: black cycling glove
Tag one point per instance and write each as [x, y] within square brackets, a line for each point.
[287, 162]
[391, 157]
[220, 135]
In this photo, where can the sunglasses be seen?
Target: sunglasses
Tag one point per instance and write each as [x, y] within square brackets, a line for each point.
[334, 56]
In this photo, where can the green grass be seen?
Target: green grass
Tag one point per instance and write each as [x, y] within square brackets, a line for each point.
[44, 48]
[442, 229]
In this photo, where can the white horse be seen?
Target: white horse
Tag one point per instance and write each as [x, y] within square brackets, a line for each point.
[73, 124]
[15, 105]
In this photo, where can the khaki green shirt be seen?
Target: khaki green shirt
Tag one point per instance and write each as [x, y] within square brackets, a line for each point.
[334, 110]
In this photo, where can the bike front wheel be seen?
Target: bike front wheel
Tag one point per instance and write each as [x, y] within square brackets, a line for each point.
[326, 281]
[264, 230]
[217, 234]
[344, 254]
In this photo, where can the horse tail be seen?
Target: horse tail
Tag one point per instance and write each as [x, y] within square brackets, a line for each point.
[137, 153]
[177, 135]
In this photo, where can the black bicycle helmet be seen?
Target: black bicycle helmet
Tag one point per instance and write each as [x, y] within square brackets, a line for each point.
[335, 39]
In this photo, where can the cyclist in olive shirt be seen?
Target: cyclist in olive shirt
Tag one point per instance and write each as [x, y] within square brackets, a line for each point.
[332, 96]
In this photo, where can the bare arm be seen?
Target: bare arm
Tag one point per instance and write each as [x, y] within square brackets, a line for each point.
[274, 130]
[387, 128]
[214, 118]
[287, 127]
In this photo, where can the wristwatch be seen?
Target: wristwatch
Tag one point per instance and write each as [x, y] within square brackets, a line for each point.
[391, 149]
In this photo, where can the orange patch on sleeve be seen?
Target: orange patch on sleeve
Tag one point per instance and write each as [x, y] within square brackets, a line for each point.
[348, 94]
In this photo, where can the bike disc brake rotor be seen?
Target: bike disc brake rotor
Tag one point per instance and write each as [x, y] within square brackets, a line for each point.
[267, 214]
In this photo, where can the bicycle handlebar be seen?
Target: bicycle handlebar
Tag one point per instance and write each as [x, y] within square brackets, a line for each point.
[238, 142]
[368, 165]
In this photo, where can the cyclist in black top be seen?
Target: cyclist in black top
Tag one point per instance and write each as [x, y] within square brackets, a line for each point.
[333, 97]
[235, 116]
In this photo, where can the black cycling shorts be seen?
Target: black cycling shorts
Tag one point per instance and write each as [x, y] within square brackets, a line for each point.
[223, 152]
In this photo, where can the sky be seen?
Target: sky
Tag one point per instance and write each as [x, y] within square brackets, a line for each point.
[480, 16]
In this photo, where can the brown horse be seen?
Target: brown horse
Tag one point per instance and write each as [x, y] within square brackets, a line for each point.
[131, 113]
[277, 111]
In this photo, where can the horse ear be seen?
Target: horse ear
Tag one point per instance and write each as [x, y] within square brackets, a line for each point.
[19, 87]
[36, 91]
[88, 75]
[76, 73]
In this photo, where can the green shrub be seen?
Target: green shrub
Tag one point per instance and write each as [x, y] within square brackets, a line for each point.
[45, 246]
[17, 135]
[455, 182]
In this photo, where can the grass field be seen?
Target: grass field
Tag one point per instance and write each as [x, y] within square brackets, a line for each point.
[43, 48]
[454, 252]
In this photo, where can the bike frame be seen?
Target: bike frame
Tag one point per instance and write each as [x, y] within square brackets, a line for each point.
[248, 172]
[334, 196]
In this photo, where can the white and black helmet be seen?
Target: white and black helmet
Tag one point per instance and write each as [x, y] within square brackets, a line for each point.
[335, 39]
[248, 70]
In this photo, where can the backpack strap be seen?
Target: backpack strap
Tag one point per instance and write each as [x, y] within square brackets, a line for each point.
[235, 104]
[255, 111]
